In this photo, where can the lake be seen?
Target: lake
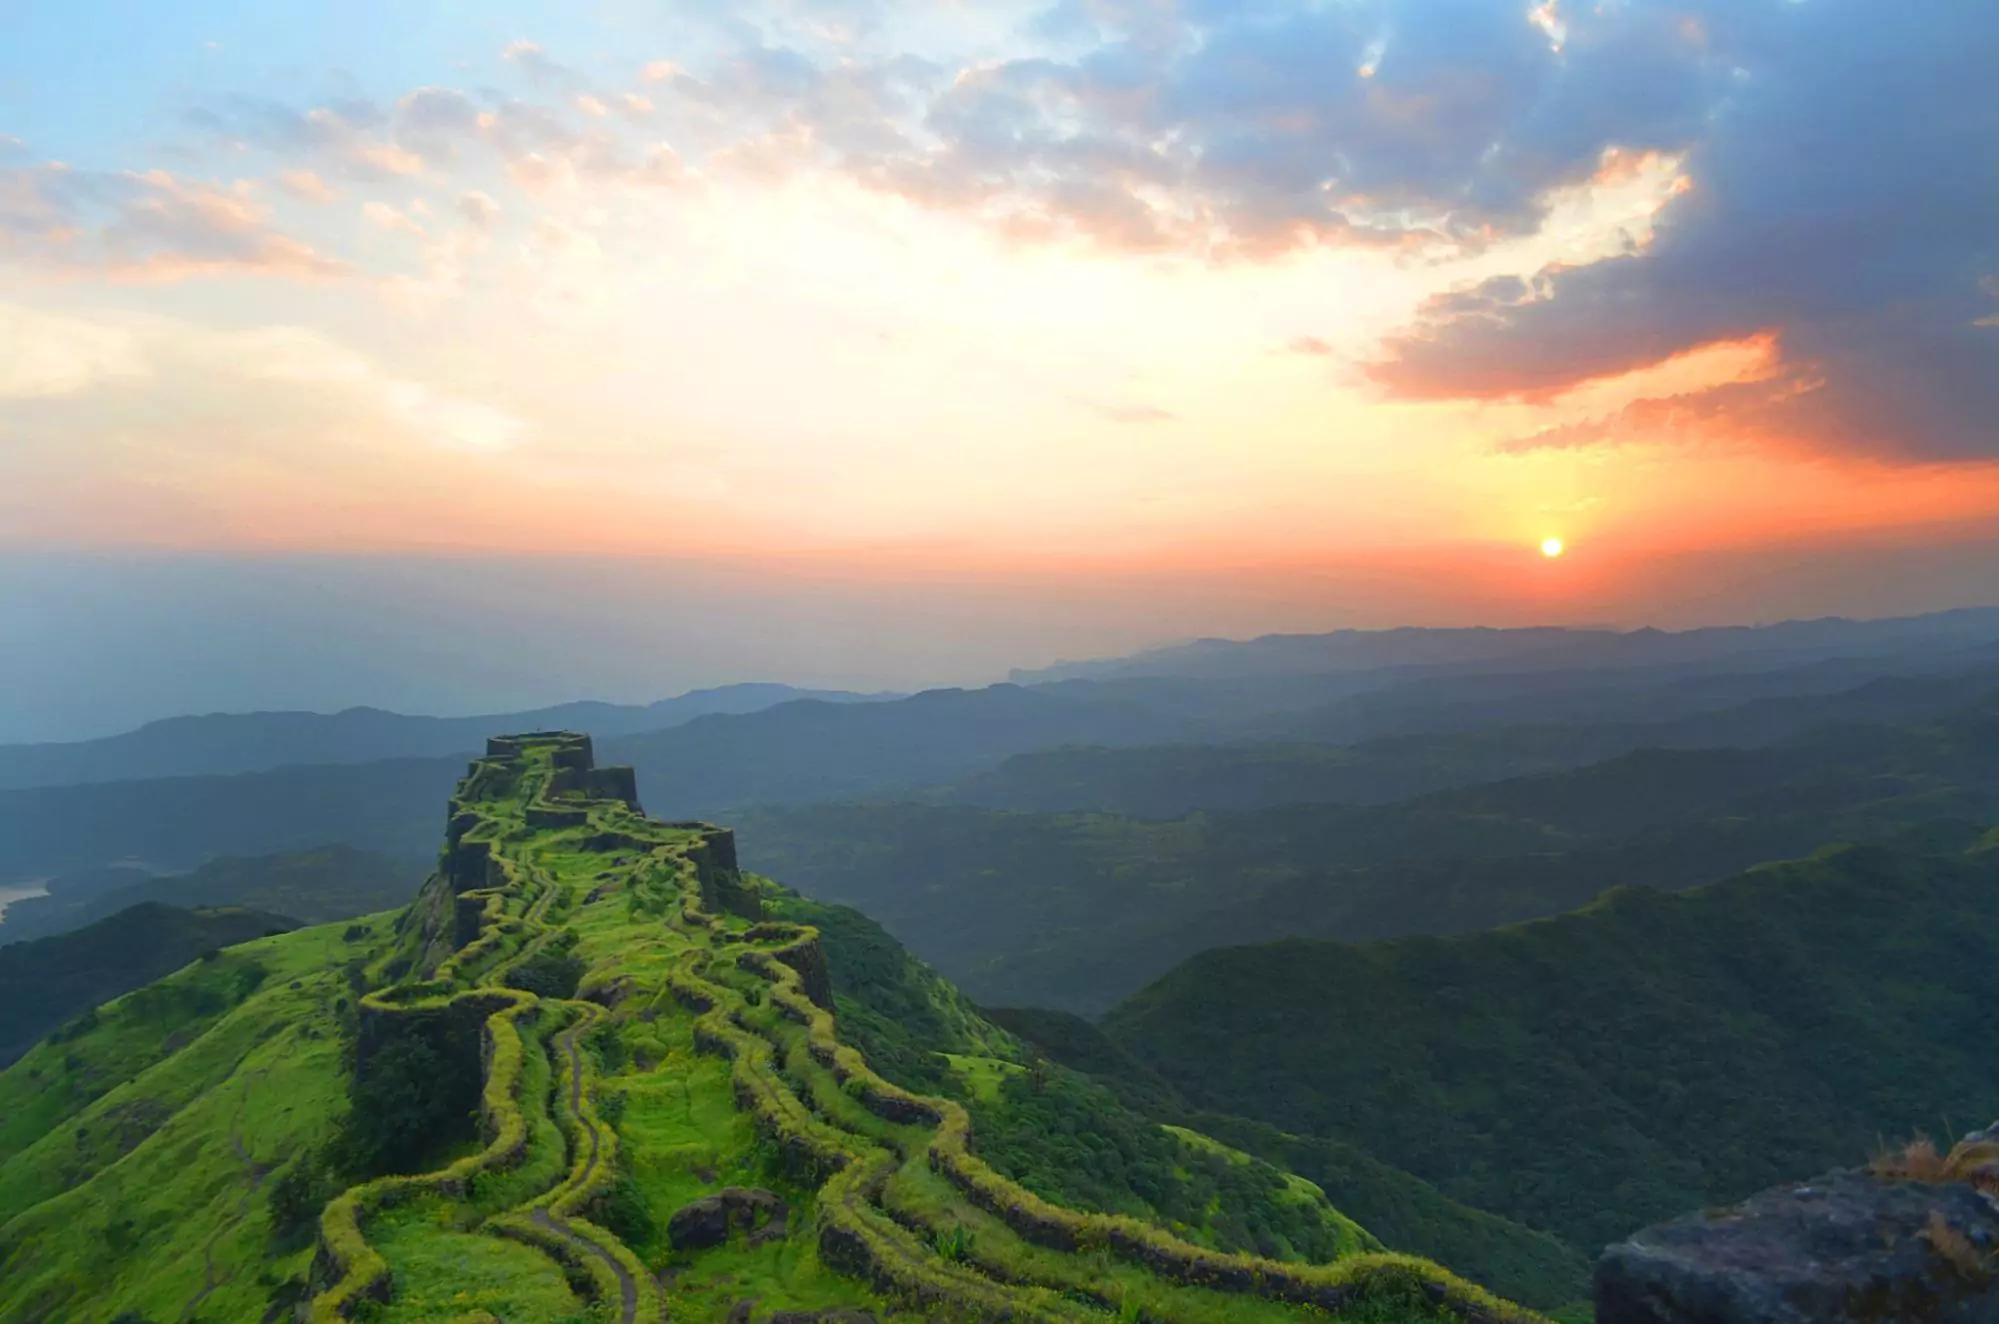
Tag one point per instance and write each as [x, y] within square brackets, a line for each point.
[17, 892]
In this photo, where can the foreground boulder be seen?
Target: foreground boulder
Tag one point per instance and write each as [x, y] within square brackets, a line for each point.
[1849, 1248]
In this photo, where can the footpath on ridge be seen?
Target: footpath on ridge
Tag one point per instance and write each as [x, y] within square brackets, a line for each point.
[548, 859]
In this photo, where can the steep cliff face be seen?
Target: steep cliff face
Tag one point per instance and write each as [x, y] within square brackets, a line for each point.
[723, 887]
[1852, 1247]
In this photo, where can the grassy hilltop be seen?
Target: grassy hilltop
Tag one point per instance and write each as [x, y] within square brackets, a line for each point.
[538, 1092]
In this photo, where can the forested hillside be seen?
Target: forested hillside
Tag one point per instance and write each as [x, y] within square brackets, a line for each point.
[1645, 1055]
[1168, 781]
[45, 983]
[1078, 910]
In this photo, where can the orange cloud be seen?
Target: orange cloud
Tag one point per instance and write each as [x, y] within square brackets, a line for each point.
[305, 184]
[172, 229]
[387, 158]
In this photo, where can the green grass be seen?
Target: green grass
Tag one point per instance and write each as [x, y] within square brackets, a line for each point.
[157, 1190]
[683, 1137]
[982, 1076]
[443, 1273]
[1298, 1193]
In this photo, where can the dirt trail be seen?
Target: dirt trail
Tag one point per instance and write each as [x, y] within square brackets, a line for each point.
[627, 1286]
[576, 1100]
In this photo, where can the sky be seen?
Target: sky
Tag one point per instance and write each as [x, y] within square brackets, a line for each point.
[458, 356]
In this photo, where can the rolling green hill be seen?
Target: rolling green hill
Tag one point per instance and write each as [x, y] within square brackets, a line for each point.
[1647, 1054]
[594, 1072]
[44, 983]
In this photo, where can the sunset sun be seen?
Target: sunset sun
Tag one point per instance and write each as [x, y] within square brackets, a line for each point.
[1551, 547]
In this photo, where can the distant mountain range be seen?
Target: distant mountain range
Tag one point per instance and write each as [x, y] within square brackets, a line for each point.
[1534, 648]
[1335, 688]
[1152, 747]
[222, 743]
[310, 887]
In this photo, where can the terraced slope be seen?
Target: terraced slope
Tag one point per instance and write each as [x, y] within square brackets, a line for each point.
[643, 1044]
[899, 1208]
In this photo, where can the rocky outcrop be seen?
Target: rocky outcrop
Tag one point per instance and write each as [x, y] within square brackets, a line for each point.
[468, 865]
[806, 957]
[707, 1221]
[1849, 1248]
[723, 887]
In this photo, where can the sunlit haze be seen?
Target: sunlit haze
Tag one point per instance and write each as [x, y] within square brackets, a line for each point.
[900, 344]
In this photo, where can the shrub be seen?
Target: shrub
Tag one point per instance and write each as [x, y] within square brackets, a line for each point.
[623, 1210]
[297, 1196]
[398, 1110]
[1975, 1161]
[548, 973]
[82, 1025]
[609, 1047]
[954, 1245]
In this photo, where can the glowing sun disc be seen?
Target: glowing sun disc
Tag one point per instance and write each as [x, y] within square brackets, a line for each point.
[1551, 547]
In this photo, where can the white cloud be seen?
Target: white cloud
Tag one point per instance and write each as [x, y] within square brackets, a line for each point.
[53, 355]
[383, 216]
[302, 357]
[462, 425]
